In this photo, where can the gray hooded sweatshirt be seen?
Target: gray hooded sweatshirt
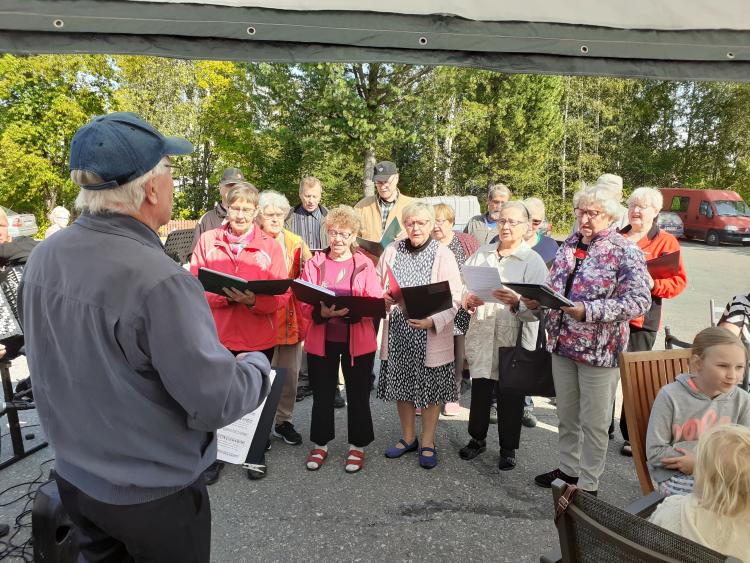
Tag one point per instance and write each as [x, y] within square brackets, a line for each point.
[681, 413]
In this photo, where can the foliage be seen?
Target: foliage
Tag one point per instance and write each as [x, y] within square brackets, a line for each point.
[450, 130]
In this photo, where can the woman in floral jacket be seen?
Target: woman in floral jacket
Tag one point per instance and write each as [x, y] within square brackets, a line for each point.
[605, 276]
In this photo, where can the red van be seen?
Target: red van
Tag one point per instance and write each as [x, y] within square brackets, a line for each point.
[714, 215]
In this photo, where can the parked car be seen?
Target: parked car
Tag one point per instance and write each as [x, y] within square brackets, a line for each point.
[714, 215]
[670, 222]
[20, 224]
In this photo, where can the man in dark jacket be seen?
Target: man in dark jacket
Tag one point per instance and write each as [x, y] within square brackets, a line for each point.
[130, 379]
[215, 217]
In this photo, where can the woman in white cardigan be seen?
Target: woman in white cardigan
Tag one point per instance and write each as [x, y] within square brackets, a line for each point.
[496, 324]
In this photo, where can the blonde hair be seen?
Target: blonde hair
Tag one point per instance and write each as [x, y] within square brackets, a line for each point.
[446, 212]
[243, 190]
[722, 470]
[715, 336]
[344, 216]
[416, 208]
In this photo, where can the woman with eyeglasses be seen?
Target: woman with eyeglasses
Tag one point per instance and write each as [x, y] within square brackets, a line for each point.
[417, 358]
[496, 324]
[605, 277]
[245, 322]
[462, 245]
[337, 339]
[291, 324]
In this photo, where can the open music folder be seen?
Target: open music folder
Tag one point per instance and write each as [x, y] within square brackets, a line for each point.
[214, 281]
[359, 306]
[420, 301]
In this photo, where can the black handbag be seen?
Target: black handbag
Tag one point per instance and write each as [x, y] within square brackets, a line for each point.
[526, 372]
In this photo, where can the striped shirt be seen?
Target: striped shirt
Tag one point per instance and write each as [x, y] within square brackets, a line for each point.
[737, 313]
[385, 209]
[307, 225]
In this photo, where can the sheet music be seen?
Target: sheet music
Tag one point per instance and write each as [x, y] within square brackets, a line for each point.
[316, 287]
[234, 440]
[482, 281]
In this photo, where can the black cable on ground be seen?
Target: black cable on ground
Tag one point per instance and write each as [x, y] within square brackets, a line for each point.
[23, 550]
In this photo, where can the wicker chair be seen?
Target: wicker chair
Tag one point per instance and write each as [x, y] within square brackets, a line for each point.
[643, 374]
[594, 531]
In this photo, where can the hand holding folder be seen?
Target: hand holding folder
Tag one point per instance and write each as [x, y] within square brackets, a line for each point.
[215, 282]
[421, 301]
[359, 306]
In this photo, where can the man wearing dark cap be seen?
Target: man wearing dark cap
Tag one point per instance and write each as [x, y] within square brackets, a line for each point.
[130, 379]
[377, 212]
[215, 217]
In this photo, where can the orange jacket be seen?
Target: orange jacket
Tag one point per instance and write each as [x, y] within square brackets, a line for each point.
[653, 245]
[292, 325]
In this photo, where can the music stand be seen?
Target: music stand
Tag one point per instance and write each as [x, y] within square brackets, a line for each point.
[11, 410]
[179, 245]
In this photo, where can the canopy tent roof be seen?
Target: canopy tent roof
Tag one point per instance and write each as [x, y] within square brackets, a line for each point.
[671, 39]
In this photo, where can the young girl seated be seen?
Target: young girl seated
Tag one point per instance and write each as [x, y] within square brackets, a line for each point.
[694, 403]
[717, 512]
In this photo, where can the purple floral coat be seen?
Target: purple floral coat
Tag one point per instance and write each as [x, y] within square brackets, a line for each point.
[612, 283]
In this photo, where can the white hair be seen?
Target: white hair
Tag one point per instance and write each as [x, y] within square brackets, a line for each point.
[501, 189]
[534, 204]
[603, 196]
[127, 198]
[416, 208]
[647, 196]
[56, 211]
[272, 198]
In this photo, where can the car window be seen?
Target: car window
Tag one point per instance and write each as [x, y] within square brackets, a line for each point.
[680, 203]
[704, 207]
[730, 208]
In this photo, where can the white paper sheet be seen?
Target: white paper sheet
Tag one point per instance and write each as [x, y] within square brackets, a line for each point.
[233, 441]
[482, 281]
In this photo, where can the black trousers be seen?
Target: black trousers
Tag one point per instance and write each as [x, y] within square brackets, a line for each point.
[509, 413]
[641, 340]
[173, 529]
[324, 376]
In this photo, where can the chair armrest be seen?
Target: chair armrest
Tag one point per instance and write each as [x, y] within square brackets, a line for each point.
[554, 556]
[644, 506]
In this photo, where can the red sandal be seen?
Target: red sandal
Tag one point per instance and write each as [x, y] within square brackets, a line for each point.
[316, 458]
[354, 461]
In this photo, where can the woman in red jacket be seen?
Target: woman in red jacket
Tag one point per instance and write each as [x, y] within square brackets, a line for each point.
[335, 339]
[644, 205]
[245, 322]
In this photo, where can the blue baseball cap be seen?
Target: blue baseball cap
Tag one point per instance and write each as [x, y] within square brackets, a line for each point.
[114, 149]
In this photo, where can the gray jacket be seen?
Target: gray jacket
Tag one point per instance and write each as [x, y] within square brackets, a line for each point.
[130, 379]
[681, 413]
[478, 228]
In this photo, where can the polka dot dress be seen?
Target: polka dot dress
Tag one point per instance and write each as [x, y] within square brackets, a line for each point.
[403, 376]
[461, 322]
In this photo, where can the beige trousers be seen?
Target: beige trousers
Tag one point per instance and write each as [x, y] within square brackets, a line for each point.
[287, 356]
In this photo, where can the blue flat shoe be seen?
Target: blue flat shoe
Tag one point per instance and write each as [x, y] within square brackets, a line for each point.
[394, 452]
[428, 461]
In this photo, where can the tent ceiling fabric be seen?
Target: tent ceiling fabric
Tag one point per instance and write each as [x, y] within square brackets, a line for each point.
[240, 32]
[634, 14]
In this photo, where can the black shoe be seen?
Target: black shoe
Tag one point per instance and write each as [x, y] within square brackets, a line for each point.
[286, 432]
[545, 479]
[338, 400]
[257, 471]
[611, 435]
[268, 445]
[626, 449]
[472, 449]
[507, 460]
[211, 473]
[528, 419]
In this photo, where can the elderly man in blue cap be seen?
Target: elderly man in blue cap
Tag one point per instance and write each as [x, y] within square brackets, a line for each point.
[130, 379]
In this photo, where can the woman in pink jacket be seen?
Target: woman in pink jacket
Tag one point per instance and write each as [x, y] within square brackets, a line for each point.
[337, 339]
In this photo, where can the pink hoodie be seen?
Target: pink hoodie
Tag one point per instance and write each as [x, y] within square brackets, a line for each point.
[362, 338]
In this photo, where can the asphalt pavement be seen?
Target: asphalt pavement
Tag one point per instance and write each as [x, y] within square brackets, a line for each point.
[393, 510]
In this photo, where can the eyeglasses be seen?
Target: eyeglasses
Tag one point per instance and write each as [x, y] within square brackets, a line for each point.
[273, 215]
[441, 221]
[537, 222]
[339, 234]
[590, 213]
[246, 211]
[421, 224]
[510, 222]
[640, 206]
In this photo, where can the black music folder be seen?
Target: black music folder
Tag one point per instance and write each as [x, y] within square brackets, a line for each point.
[420, 301]
[542, 293]
[359, 306]
[214, 281]
[376, 248]
[664, 266]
